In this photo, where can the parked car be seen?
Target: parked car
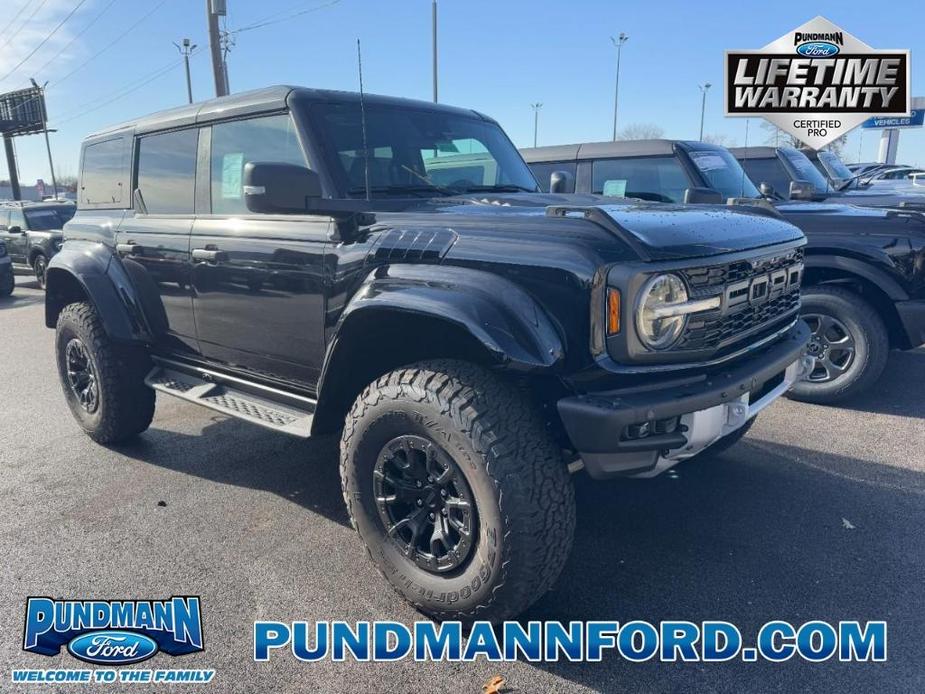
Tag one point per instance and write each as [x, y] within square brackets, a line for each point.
[471, 339]
[793, 174]
[7, 280]
[864, 286]
[33, 233]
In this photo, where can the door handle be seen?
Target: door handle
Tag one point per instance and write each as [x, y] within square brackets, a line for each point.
[130, 248]
[208, 255]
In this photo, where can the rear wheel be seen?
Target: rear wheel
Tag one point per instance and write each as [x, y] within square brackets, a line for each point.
[40, 265]
[849, 342]
[103, 382]
[462, 499]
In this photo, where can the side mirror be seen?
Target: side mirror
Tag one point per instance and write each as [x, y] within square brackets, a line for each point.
[767, 190]
[15, 229]
[280, 188]
[702, 196]
[561, 182]
[802, 190]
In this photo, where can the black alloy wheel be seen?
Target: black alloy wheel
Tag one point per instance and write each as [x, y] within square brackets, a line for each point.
[81, 375]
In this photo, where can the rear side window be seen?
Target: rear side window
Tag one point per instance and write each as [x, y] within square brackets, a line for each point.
[103, 172]
[651, 178]
[544, 171]
[270, 139]
[167, 171]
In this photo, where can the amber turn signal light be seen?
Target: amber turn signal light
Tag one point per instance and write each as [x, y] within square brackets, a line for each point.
[613, 311]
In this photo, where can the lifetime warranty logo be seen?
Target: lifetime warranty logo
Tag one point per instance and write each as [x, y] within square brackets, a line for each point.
[817, 82]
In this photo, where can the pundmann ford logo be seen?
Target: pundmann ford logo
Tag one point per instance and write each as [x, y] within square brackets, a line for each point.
[818, 45]
[113, 632]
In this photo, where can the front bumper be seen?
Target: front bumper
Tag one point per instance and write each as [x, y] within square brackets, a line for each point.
[912, 315]
[645, 431]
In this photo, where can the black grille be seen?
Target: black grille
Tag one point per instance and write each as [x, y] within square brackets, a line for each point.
[728, 324]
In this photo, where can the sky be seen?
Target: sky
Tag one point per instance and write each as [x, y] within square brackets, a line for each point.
[113, 60]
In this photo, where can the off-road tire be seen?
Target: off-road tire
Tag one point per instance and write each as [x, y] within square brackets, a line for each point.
[871, 342]
[40, 267]
[519, 480]
[125, 404]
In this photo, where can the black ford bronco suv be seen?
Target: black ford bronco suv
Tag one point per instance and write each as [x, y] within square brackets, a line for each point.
[864, 287]
[33, 233]
[315, 262]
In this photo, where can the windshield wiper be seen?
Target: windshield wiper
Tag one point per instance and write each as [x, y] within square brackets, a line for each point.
[418, 191]
[500, 188]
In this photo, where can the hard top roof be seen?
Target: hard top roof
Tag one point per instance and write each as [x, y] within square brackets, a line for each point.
[273, 98]
[597, 150]
[754, 152]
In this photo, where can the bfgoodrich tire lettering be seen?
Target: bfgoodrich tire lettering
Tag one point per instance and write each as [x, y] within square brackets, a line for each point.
[122, 406]
[869, 345]
[520, 484]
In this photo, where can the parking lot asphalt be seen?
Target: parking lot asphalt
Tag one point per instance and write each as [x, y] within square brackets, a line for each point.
[818, 514]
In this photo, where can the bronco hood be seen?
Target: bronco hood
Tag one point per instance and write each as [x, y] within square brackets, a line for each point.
[658, 231]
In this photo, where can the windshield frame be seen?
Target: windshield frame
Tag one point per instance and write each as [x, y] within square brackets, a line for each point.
[312, 115]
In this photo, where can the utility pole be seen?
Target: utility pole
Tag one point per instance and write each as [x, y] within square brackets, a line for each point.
[536, 119]
[185, 50]
[703, 104]
[214, 8]
[11, 165]
[433, 33]
[51, 164]
[618, 42]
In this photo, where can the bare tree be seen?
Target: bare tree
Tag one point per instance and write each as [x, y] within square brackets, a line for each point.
[778, 138]
[641, 131]
[721, 140]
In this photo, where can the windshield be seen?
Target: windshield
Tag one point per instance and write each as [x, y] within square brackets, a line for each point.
[724, 173]
[804, 169]
[835, 166]
[418, 152]
[48, 218]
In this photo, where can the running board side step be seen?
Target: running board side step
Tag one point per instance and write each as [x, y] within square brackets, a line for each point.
[252, 402]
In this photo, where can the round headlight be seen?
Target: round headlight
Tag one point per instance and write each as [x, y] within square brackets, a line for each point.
[656, 329]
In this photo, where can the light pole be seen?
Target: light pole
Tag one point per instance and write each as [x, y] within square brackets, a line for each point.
[433, 41]
[618, 42]
[536, 119]
[185, 49]
[703, 104]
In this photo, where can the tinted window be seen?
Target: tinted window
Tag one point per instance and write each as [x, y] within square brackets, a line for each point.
[650, 178]
[835, 167]
[803, 168]
[544, 171]
[102, 173]
[272, 138]
[167, 171]
[768, 171]
[409, 150]
[723, 173]
[48, 218]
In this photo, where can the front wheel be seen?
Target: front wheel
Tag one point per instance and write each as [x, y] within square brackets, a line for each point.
[103, 382]
[40, 266]
[462, 499]
[849, 342]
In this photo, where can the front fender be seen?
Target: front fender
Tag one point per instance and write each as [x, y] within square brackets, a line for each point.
[88, 268]
[501, 316]
[865, 270]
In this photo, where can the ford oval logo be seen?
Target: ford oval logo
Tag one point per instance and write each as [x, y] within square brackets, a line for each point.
[112, 647]
[817, 49]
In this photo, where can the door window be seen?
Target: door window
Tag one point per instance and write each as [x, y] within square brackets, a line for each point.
[167, 171]
[768, 171]
[543, 172]
[651, 178]
[102, 173]
[270, 139]
[17, 220]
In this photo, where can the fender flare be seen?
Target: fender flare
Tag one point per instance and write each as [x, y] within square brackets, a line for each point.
[506, 321]
[105, 283]
[857, 267]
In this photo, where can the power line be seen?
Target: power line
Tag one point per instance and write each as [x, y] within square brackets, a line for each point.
[15, 17]
[112, 43]
[45, 40]
[276, 18]
[28, 19]
[75, 37]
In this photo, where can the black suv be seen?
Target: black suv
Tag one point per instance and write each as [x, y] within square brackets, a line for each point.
[33, 233]
[864, 289]
[794, 175]
[314, 261]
